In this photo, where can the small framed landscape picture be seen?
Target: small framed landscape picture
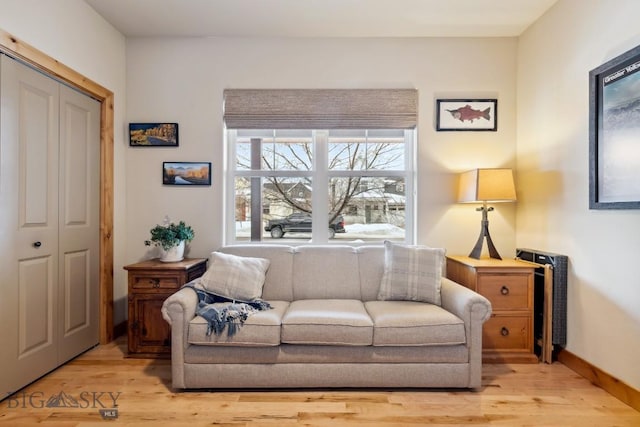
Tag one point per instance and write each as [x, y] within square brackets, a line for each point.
[186, 173]
[153, 134]
[467, 114]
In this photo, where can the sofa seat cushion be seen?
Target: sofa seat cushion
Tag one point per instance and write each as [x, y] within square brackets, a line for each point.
[327, 322]
[409, 323]
[260, 329]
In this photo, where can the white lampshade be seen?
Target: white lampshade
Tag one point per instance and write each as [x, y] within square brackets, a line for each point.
[487, 185]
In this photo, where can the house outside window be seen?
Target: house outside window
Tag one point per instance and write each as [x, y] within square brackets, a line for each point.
[329, 185]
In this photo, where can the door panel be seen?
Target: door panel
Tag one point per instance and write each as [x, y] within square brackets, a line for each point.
[79, 178]
[76, 294]
[28, 224]
[35, 306]
[76, 174]
[36, 152]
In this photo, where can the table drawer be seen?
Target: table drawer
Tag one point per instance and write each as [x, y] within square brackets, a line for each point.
[507, 332]
[154, 281]
[505, 291]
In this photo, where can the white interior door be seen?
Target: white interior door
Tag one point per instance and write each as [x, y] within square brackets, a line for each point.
[28, 224]
[79, 216]
[49, 224]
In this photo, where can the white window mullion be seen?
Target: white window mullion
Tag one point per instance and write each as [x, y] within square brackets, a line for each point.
[230, 199]
[320, 185]
[411, 183]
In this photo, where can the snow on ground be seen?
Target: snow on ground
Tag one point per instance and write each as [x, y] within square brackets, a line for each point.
[353, 231]
[376, 229]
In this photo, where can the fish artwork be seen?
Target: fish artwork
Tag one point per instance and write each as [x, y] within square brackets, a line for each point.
[468, 113]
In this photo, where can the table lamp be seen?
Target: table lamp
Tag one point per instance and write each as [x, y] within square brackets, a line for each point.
[486, 186]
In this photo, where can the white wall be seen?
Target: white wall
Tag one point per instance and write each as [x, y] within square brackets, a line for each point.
[554, 59]
[182, 80]
[71, 32]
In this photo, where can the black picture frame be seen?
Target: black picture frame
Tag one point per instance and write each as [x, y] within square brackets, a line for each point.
[186, 173]
[153, 135]
[614, 129]
[467, 115]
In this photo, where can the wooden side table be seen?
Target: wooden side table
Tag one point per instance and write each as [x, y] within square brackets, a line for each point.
[507, 337]
[150, 283]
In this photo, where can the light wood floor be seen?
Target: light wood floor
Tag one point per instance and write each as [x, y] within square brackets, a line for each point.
[512, 395]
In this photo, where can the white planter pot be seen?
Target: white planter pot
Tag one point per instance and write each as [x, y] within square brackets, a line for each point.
[174, 254]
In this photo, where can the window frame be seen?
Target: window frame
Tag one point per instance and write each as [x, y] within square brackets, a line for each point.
[320, 176]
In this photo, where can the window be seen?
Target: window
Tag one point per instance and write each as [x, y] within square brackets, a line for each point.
[272, 174]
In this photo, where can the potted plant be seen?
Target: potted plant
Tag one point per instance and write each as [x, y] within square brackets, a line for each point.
[171, 239]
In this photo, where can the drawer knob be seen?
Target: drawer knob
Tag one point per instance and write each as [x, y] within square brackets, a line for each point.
[155, 283]
[504, 331]
[504, 290]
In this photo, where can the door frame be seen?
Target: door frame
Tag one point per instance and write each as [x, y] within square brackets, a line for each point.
[17, 48]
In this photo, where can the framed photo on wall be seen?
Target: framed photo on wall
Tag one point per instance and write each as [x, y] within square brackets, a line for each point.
[466, 114]
[614, 133]
[186, 173]
[153, 134]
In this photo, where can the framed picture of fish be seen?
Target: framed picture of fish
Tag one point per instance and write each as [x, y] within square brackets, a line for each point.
[186, 173]
[614, 126]
[467, 115]
[153, 134]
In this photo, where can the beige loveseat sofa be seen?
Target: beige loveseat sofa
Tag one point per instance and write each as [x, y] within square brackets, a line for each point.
[327, 328]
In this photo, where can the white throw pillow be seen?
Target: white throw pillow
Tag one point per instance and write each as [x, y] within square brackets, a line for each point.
[411, 273]
[235, 277]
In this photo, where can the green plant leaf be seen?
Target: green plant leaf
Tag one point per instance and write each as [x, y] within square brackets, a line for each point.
[170, 235]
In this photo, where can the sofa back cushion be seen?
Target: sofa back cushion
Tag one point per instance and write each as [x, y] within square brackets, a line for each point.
[371, 260]
[318, 272]
[278, 283]
[326, 272]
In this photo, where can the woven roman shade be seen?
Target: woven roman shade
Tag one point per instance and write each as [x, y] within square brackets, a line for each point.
[321, 108]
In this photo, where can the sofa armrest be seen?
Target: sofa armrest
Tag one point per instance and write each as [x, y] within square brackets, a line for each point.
[178, 310]
[463, 302]
[474, 310]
